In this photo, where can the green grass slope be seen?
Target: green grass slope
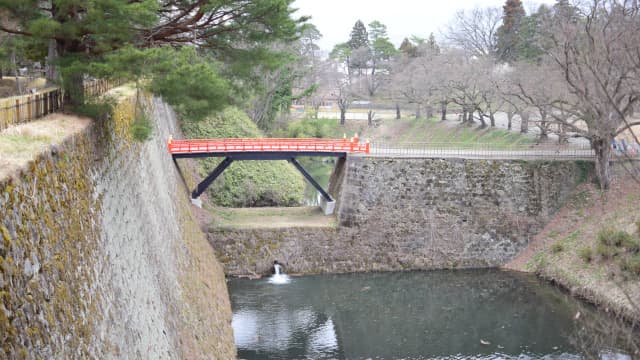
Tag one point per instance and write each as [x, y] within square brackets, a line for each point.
[407, 131]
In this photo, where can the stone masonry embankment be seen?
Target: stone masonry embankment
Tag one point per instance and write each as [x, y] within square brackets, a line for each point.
[408, 214]
[100, 256]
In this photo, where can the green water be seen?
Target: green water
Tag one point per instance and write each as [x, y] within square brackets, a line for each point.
[480, 314]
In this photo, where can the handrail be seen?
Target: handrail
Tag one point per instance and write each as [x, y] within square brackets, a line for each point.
[266, 144]
[483, 150]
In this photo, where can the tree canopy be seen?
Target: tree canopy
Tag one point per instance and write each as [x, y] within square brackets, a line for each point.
[508, 34]
[88, 32]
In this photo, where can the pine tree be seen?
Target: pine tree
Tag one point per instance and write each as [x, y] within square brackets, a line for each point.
[359, 37]
[564, 11]
[381, 47]
[408, 48]
[432, 45]
[509, 33]
[85, 32]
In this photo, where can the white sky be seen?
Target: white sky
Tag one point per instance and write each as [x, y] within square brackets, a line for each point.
[335, 18]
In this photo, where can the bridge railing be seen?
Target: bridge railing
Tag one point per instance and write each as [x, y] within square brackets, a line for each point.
[482, 150]
[265, 145]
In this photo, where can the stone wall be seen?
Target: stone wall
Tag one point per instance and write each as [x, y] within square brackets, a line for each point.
[406, 214]
[100, 256]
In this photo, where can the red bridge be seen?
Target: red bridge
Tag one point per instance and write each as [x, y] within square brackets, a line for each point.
[223, 146]
[263, 149]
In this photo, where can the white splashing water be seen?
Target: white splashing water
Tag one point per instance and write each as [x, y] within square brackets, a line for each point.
[279, 278]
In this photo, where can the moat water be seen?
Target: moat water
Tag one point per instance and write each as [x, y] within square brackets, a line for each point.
[479, 314]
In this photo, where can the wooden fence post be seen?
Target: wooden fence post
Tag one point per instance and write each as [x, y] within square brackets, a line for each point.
[45, 103]
[17, 111]
[29, 108]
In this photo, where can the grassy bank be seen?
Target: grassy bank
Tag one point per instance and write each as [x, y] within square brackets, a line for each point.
[408, 130]
[592, 246]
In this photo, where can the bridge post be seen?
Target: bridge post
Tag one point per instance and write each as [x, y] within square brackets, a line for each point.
[200, 188]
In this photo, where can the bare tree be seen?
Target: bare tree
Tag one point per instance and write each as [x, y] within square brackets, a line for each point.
[599, 59]
[420, 80]
[514, 102]
[475, 31]
[339, 86]
[465, 78]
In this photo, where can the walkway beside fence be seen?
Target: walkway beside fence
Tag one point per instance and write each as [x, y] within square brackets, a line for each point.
[24, 108]
[21, 109]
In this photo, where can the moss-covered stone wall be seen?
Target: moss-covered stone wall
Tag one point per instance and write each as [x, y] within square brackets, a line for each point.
[410, 214]
[100, 256]
[50, 224]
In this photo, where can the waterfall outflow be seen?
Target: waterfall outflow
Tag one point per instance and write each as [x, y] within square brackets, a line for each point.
[278, 277]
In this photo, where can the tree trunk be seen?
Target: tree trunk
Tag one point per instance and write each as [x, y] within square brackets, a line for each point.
[15, 72]
[443, 109]
[418, 112]
[524, 122]
[492, 118]
[370, 117]
[464, 114]
[469, 119]
[543, 126]
[342, 116]
[52, 55]
[429, 110]
[602, 149]
[483, 124]
[562, 135]
[509, 119]
[398, 115]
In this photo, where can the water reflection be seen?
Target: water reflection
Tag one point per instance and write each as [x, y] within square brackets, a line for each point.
[419, 315]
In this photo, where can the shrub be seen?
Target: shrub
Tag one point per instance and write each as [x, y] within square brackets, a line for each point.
[586, 254]
[308, 129]
[611, 237]
[631, 264]
[141, 127]
[96, 108]
[606, 251]
[632, 244]
[557, 247]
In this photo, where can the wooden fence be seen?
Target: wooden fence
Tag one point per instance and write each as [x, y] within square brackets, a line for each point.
[21, 109]
[98, 87]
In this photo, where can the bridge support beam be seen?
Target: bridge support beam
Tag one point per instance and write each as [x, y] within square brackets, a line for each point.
[200, 188]
[327, 203]
[310, 178]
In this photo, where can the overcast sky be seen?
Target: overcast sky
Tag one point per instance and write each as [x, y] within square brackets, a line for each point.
[335, 18]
